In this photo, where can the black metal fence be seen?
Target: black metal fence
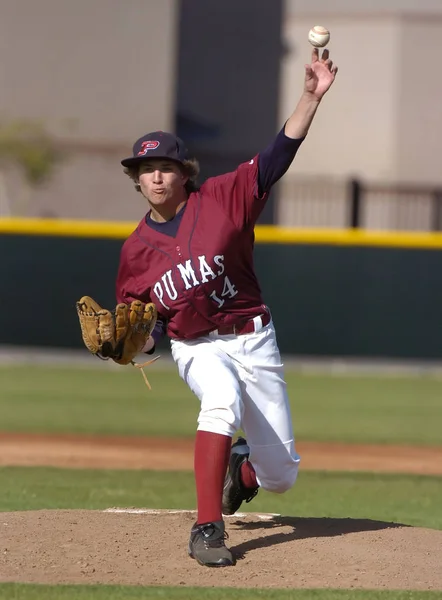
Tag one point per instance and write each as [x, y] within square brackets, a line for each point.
[412, 204]
[337, 203]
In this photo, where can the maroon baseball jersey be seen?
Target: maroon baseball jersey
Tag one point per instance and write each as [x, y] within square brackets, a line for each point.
[203, 277]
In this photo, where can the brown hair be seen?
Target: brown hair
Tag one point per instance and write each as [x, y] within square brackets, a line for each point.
[190, 167]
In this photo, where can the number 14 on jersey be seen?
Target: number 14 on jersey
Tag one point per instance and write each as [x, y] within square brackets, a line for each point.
[229, 291]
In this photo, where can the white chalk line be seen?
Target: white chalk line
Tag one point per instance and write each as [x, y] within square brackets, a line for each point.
[155, 511]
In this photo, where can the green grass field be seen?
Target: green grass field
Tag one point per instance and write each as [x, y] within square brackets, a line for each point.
[410, 500]
[325, 408]
[94, 592]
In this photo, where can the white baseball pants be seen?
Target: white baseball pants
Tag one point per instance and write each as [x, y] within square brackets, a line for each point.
[240, 384]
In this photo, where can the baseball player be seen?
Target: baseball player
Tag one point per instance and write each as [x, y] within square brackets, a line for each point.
[192, 256]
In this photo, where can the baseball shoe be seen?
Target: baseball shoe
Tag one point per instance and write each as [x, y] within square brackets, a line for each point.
[206, 545]
[235, 493]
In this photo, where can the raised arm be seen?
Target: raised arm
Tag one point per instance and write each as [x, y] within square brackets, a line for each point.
[278, 156]
[319, 76]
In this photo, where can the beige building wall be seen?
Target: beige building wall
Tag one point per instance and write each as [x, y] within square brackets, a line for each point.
[381, 122]
[419, 131]
[354, 129]
[322, 8]
[98, 73]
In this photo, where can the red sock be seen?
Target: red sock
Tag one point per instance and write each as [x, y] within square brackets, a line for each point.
[248, 475]
[212, 453]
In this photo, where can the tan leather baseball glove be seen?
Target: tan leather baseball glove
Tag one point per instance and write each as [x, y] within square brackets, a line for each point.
[119, 334]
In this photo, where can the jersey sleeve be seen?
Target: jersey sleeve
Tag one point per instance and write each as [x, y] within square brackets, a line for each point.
[237, 193]
[160, 330]
[275, 160]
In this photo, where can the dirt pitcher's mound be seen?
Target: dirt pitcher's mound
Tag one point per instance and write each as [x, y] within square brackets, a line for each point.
[150, 549]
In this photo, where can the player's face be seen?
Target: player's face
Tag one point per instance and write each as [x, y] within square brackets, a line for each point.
[161, 181]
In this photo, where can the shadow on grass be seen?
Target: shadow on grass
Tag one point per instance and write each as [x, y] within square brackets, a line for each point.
[303, 528]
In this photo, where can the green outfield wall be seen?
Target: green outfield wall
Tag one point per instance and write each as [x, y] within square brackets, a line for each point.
[332, 293]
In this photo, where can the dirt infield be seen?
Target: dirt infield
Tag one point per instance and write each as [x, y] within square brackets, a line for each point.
[132, 547]
[177, 454]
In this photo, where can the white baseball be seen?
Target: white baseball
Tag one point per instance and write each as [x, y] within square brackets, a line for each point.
[318, 36]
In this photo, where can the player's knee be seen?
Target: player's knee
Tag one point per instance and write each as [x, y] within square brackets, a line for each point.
[223, 421]
[220, 411]
[277, 467]
[282, 483]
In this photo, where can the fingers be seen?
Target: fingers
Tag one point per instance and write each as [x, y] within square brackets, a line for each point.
[149, 317]
[88, 304]
[121, 322]
[324, 59]
[142, 317]
[327, 61]
[136, 312]
[308, 71]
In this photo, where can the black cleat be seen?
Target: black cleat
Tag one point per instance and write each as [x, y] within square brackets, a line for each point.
[235, 493]
[206, 545]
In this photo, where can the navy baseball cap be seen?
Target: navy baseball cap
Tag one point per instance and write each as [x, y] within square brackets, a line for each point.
[157, 144]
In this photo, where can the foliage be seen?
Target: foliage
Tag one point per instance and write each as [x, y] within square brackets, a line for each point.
[27, 144]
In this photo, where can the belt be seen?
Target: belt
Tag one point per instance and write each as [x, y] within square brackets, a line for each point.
[249, 326]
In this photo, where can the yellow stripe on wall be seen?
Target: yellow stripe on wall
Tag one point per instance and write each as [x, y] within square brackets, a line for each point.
[269, 234]
[265, 234]
[66, 228]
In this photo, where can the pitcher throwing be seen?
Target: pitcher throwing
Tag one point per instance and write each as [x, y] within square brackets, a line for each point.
[192, 256]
